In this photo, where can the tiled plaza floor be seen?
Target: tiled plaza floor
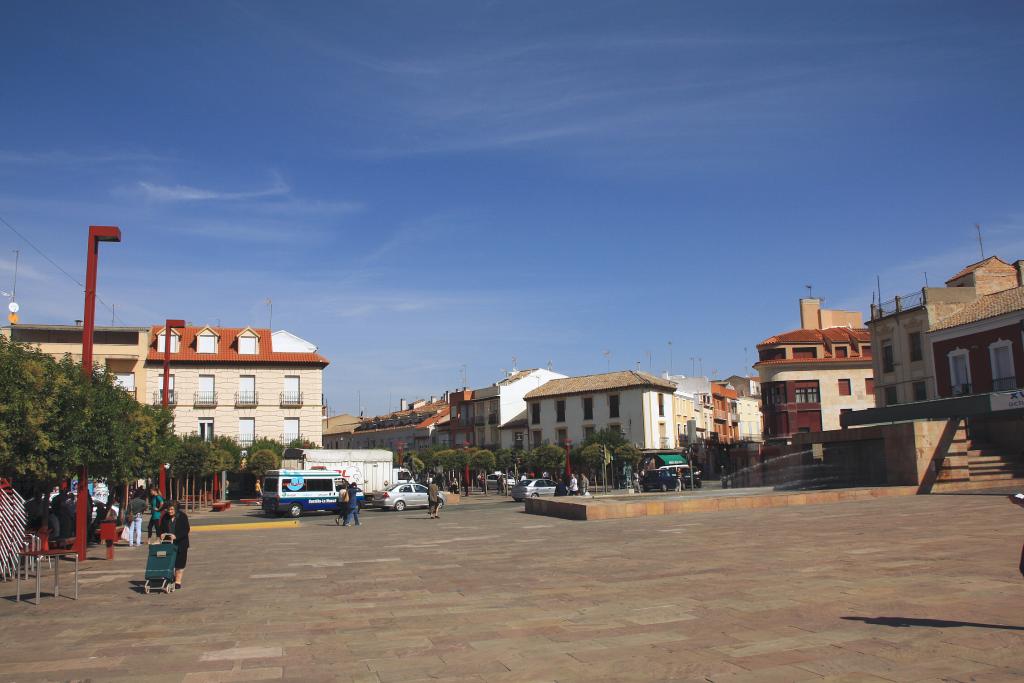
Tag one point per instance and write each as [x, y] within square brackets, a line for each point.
[900, 589]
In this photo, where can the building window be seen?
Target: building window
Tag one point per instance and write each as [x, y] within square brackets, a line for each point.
[247, 346]
[1000, 355]
[588, 408]
[959, 372]
[613, 405]
[888, 360]
[175, 342]
[207, 394]
[916, 352]
[661, 405]
[560, 411]
[207, 343]
[805, 352]
[291, 430]
[865, 349]
[844, 387]
[588, 433]
[890, 396]
[617, 428]
[563, 436]
[246, 431]
[807, 394]
[125, 380]
[535, 439]
[920, 391]
[535, 413]
[292, 394]
[869, 386]
[842, 352]
[246, 391]
[206, 428]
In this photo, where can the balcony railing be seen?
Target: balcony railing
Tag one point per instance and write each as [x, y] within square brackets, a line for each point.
[291, 398]
[158, 398]
[245, 399]
[288, 438]
[492, 419]
[961, 389]
[721, 415]
[245, 441]
[1004, 383]
[897, 304]
[205, 399]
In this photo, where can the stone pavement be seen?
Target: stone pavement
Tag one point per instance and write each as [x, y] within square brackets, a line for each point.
[894, 589]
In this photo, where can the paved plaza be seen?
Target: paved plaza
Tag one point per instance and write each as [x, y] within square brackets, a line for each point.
[920, 588]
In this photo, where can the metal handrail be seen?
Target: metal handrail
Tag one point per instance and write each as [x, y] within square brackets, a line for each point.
[205, 398]
[247, 398]
[291, 398]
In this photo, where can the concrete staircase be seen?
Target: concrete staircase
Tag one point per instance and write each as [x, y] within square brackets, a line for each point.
[971, 464]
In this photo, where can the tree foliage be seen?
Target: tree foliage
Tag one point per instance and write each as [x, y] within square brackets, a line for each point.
[263, 460]
[628, 453]
[591, 457]
[547, 457]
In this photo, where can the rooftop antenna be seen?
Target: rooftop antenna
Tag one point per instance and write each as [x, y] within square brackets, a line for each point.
[465, 382]
[700, 362]
[650, 361]
[608, 357]
[514, 361]
[926, 278]
[638, 366]
[549, 366]
[810, 291]
[270, 308]
[670, 356]
[693, 366]
[981, 247]
[113, 315]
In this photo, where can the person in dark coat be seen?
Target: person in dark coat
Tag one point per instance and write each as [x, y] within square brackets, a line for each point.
[175, 523]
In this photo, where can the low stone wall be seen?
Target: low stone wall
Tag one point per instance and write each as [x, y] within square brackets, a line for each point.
[615, 508]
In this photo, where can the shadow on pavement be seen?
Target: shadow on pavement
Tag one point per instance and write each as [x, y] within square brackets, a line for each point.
[931, 623]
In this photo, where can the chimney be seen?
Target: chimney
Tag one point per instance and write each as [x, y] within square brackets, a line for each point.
[1019, 265]
[403, 404]
[810, 314]
[78, 323]
[433, 398]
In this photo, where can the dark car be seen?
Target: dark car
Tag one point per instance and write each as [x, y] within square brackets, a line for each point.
[658, 480]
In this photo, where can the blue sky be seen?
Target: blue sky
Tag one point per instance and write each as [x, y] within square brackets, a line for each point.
[420, 186]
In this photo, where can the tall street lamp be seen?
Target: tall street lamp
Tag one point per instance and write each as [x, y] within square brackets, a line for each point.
[97, 234]
[568, 464]
[169, 326]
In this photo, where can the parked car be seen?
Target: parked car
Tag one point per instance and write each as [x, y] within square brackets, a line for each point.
[684, 472]
[662, 479]
[532, 488]
[404, 495]
[494, 481]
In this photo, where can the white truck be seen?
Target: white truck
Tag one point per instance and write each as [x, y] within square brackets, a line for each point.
[371, 468]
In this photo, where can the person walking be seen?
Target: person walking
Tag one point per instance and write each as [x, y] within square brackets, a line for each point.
[636, 482]
[584, 484]
[259, 488]
[136, 508]
[174, 524]
[156, 501]
[342, 504]
[353, 506]
[679, 480]
[433, 501]
[574, 486]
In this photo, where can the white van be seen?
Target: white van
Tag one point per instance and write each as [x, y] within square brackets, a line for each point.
[294, 492]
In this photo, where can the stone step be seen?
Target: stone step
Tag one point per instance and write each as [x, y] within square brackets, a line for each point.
[976, 460]
[1008, 476]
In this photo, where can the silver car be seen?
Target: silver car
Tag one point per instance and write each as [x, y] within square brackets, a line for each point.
[533, 488]
[404, 495]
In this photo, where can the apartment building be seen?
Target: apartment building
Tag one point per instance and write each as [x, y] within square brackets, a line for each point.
[121, 350]
[499, 411]
[694, 415]
[336, 427]
[637, 404]
[414, 426]
[245, 383]
[907, 330]
[812, 374]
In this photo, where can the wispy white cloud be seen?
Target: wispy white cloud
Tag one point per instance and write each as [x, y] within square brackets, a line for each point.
[188, 193]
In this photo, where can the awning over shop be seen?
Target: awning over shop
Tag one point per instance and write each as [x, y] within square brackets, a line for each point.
[668, 459]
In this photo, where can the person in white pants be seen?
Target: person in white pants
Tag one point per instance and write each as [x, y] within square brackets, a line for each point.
[136, 508]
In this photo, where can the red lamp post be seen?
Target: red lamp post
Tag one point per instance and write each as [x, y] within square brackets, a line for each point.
[97, 234]
[568, 464]
[169, 326]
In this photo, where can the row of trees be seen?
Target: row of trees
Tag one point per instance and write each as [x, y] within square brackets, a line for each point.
[53, 419]
[588, 456]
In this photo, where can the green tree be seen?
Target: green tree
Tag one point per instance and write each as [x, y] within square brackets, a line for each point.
[264, 443]
[548, 457]
[263, 460]
[592, 457]
[628, 453]
[233, 461]
[504, 459]
[612, 438]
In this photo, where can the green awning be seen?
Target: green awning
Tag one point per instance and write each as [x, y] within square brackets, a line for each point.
[672, 459]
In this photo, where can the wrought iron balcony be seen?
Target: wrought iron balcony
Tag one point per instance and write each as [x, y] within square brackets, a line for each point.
[246, 399]
[292, 399]
[1004, 383]
[158, 398]
[245, 441]
[288, 438]
[205, 399]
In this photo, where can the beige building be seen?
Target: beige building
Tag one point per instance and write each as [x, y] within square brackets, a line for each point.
[337, 428]
[811, 375]
[121, 350]
[637, 404]
[751, 424]
[244, 383]
[900, 329]
[417, 425]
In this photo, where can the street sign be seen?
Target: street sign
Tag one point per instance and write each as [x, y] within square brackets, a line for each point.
[1009, 400]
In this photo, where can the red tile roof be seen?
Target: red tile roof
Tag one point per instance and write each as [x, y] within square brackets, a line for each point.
[856, 360]
[227, 348]
[988, 306]
[831, 334]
